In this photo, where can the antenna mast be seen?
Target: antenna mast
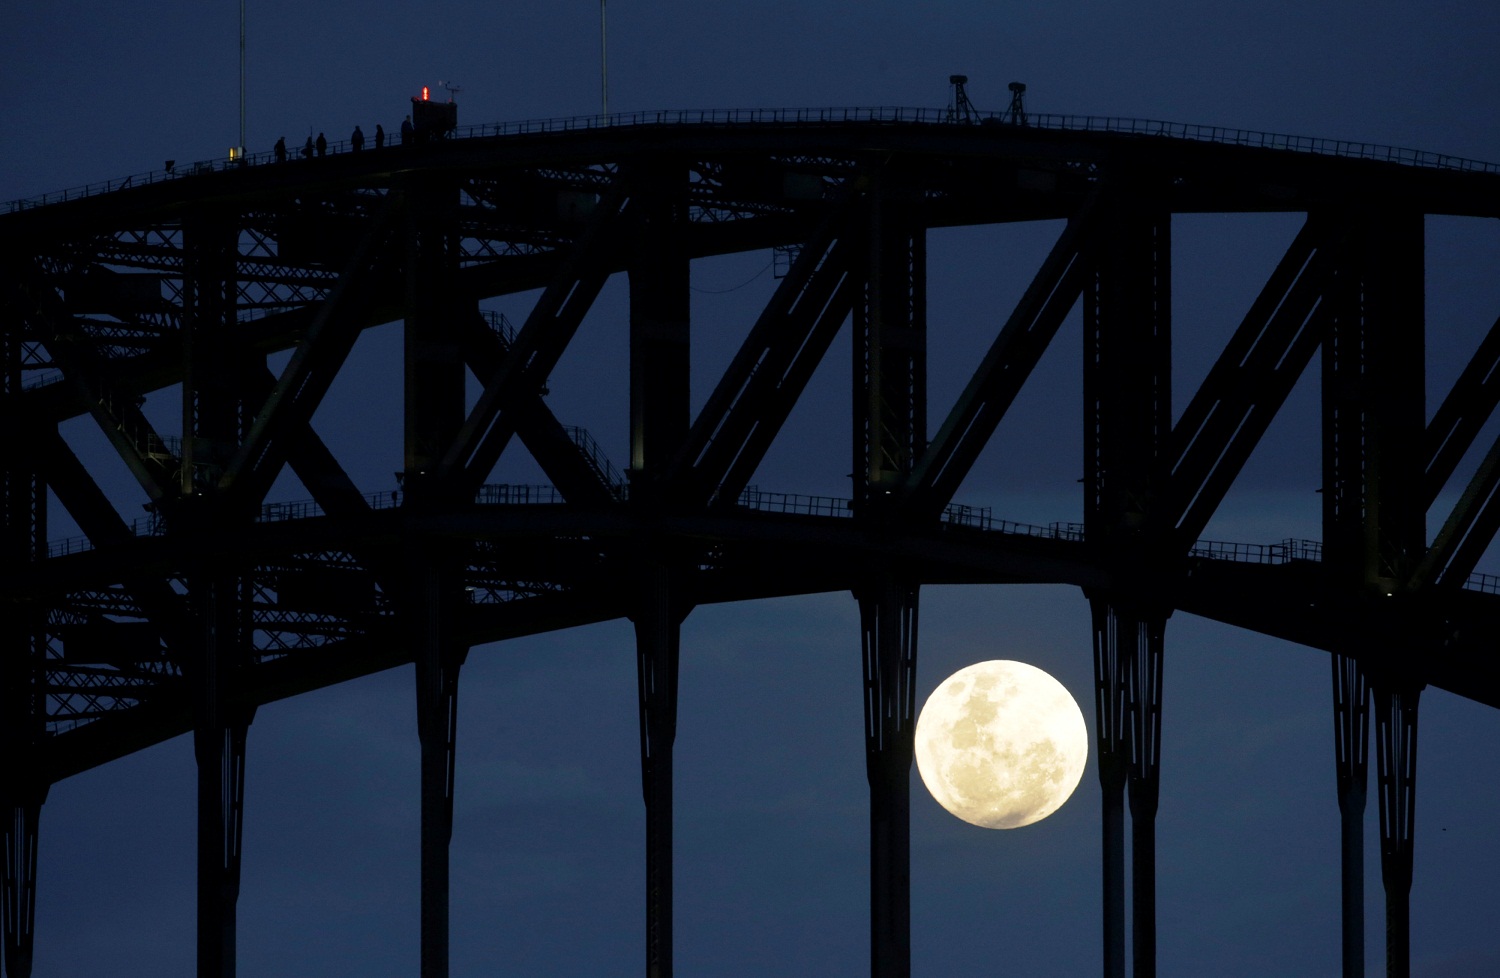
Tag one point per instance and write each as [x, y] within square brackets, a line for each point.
[240, 147]
[1016, 114]
[960, 109]
[603, 62]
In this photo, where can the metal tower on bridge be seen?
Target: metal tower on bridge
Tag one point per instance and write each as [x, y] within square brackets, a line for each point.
[224, 600]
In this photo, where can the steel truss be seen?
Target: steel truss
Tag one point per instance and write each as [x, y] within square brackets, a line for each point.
[222, 600]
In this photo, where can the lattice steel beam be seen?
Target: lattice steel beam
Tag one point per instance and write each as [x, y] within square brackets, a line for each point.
[757, 391]
[1249, 382]
[539, 344]
[1006, 365]
[289, 406]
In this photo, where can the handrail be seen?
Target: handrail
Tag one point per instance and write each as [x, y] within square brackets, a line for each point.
[500, 325]
[1288, 551]
[901, 115]
[593, 453]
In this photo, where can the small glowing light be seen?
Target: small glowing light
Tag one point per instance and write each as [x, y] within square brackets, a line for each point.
[424, 93]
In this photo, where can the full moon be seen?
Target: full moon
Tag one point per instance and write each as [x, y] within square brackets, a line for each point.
[1001, 744]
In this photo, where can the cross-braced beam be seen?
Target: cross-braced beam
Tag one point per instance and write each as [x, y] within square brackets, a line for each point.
[756, 393]
[541, 341]
[1249, 382]
[1000, 375]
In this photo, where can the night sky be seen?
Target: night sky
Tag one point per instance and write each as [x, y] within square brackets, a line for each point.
[771, 819]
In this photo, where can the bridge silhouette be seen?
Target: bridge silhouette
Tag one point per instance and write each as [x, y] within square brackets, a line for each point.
[245, 285]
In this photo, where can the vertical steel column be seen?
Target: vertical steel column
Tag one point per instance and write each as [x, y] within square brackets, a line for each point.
[220, 754]
[210, 398]
[219, 729]
[660, 319]
[21, 813]
[23, 652]
[1396, 753]
[1127, 391]
[211, 429]
[1128, 649]
[1374, 410]
[430, 616]
[658, 620]
[890, 434]
[660, 331]
[1351, 726]
[434, 380]
[1374, 414]
[890, 356]
[1145, 762]
[888, 630]
[1111, 706]
[1344, 565]
[434, 413]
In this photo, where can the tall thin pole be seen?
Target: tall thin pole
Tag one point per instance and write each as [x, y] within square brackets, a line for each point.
[241, 152]
[603, 62]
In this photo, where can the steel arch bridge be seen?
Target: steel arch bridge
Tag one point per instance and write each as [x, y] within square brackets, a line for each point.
[223, 599]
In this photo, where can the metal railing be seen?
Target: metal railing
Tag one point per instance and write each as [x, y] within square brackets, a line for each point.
[1484, 583]
[1287, 551]
[593, 453]
[143, 526]
[501, 325]
[518, 495]
[786, 502]
[895, 115]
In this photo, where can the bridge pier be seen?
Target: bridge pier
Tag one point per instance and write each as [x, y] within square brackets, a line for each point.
[1145, 757]
[658, 629]
[22, 815]
[220, 753]
[1351, 725]
[1113, 740]
[438, 659]
[219, 749]
[1128, 650]
[23, 652]
[888, 630]
[1396, 753]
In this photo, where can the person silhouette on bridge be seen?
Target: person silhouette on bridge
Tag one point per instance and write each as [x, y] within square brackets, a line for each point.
[307, 149]
[280, 150]
[357, 140]
[322, 145]
[406, 131]
[379, 136]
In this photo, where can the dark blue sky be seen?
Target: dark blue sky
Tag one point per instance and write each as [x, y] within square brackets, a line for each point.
[771, 817]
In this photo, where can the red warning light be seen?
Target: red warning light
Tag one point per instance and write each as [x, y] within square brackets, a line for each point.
[424, 93]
